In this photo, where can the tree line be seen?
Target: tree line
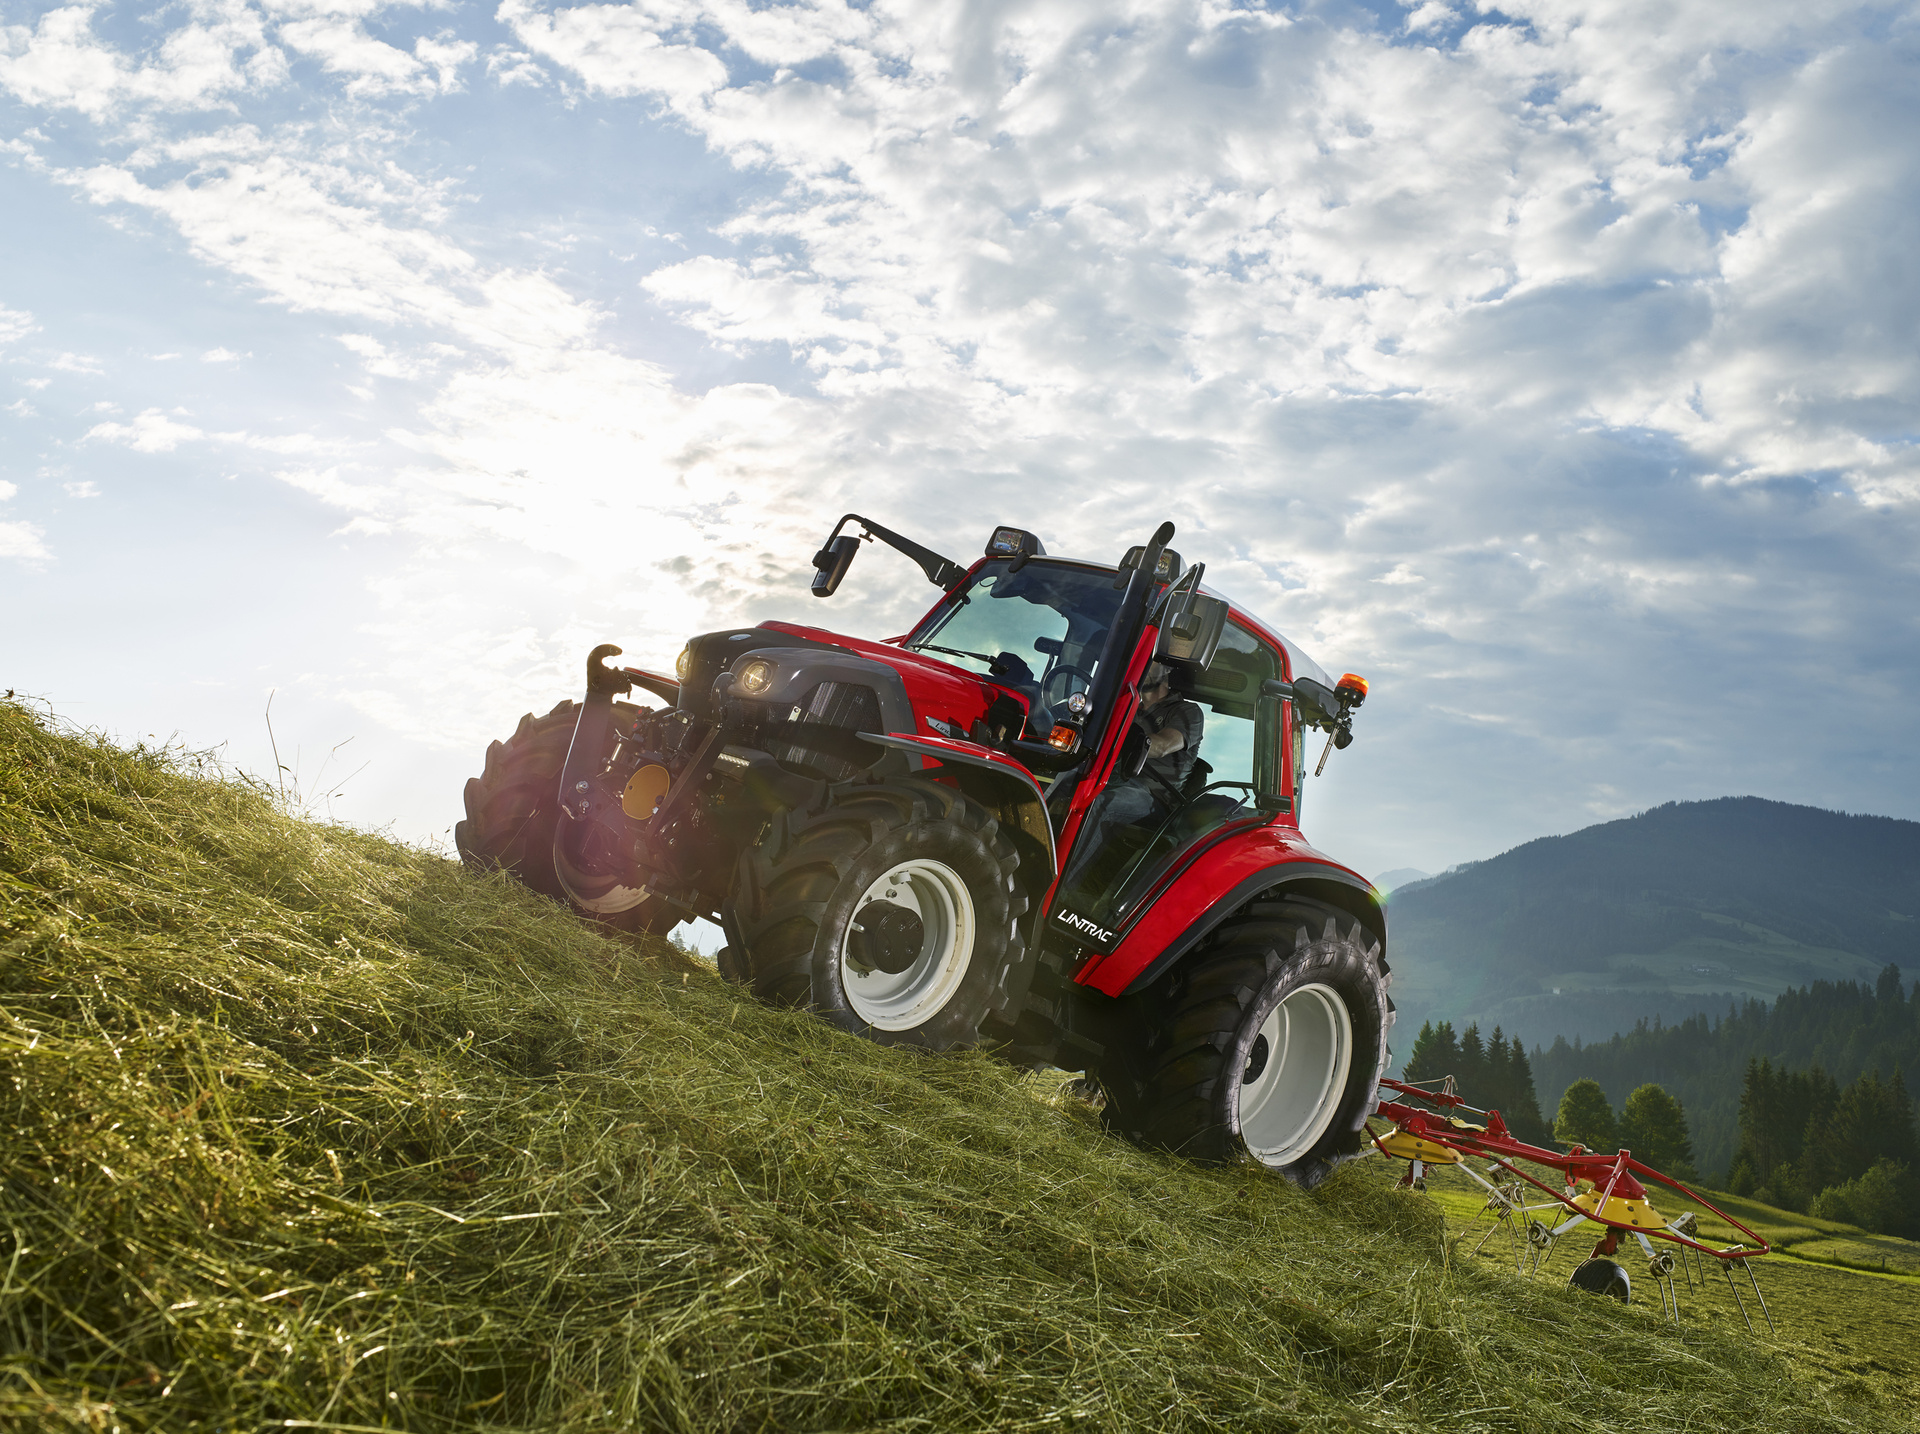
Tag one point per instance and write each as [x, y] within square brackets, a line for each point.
[1805, 1141]
[1489, 1074]
[1840, 1152]
[1845, 1028]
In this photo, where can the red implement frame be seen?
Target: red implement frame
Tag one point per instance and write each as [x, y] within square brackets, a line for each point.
[1613, 1175]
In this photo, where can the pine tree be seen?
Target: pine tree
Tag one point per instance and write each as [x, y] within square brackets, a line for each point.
[1523, 1115]
[1586, 1119]
[1473, 1066]
[1653, 1126]
[1871, 1120]
[1497, 1077]
[1435, 1054]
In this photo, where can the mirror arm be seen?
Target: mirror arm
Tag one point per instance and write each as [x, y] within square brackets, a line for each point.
[943, 573]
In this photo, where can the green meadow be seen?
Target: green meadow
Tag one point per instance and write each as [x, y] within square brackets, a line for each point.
[1844, 1303]
[307, 1129]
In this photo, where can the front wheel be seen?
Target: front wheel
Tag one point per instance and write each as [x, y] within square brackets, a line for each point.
[513, 816]
[1267, 1044]
[894, 913]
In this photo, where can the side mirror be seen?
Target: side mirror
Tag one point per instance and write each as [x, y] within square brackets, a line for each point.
[830, 564]
[1192, 637]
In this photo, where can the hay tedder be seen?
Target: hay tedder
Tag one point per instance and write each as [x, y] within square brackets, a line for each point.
[1608, 1191]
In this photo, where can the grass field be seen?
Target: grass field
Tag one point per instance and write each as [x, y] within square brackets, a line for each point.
[1856, 1328]
[305, 1129]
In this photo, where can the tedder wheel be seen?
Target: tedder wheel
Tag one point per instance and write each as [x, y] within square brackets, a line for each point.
[893, 912]
[1602, 1277]
[513, 810]
[1269, 1042]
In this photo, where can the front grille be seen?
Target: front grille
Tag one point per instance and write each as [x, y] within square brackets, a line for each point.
[840, 704]
[817, 732]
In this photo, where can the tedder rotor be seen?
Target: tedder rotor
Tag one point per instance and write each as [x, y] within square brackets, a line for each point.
[1606, 1191]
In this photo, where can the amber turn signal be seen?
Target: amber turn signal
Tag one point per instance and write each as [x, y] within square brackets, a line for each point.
[1063, 737]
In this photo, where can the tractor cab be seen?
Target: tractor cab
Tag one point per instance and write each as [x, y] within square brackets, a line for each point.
[1043, 630]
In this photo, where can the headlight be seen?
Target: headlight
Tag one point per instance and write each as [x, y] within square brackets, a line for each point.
[756, 677]
[1077, 703]
[683, 664]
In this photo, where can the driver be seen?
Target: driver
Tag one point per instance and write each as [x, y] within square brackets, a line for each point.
[1173, 726]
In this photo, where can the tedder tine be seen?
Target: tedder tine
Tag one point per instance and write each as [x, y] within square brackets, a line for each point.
[1747, 1265]
[1736, 1295]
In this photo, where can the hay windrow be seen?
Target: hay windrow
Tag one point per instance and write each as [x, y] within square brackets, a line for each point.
[307, 1129]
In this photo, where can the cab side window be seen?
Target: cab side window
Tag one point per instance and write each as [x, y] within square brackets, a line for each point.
[1241, 743]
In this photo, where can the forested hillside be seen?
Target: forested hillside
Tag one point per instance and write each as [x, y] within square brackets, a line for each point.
[1845, 1028]
[1682, 909]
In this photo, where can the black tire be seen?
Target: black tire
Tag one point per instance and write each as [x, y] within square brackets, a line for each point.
[796, 896]
[513, 808]
[1195, 1071]
[1602, 1277]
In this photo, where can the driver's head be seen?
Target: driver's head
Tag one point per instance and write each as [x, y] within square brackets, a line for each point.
[1155, 682]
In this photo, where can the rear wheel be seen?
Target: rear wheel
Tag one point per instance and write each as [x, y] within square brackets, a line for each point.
[893, 913]
[513, 813]
[1267, 1044]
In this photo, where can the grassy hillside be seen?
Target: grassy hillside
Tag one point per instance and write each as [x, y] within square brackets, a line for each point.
[1684, 908]
[304, 1129]
[1846, 1303]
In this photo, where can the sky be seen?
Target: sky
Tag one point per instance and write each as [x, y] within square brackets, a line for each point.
[1553, 366]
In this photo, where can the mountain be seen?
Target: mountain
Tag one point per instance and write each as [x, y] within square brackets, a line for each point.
[1400, 876]
[1691, 907]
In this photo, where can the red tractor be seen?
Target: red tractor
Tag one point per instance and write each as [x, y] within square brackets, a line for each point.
[1060, 817]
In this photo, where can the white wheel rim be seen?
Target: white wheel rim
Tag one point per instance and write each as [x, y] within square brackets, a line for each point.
[900, 1001]
[1291, 1100]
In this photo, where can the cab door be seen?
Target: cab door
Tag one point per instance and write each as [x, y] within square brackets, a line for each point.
[1141, 829]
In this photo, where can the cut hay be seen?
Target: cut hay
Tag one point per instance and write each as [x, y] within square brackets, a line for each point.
[307, 1129]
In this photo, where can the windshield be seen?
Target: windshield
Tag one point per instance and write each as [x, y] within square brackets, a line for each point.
[1039, 630]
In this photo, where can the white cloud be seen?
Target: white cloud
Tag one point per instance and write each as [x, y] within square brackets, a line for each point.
[20, 408]
[1430, 16]
[445, 56]
[342, 46]
[152, 432]
[220, 356]
[24, 542]
[15, 324]
[61, 64]
[82, 489]
[156, 432]
[619, 49]
[514, 67]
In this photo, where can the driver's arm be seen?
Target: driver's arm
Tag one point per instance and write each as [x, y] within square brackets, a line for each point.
[1167, 739]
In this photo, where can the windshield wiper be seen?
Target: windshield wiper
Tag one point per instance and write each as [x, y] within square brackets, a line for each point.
[992, 662]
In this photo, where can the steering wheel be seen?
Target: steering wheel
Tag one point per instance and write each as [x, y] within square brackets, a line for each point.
[1068, 672]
